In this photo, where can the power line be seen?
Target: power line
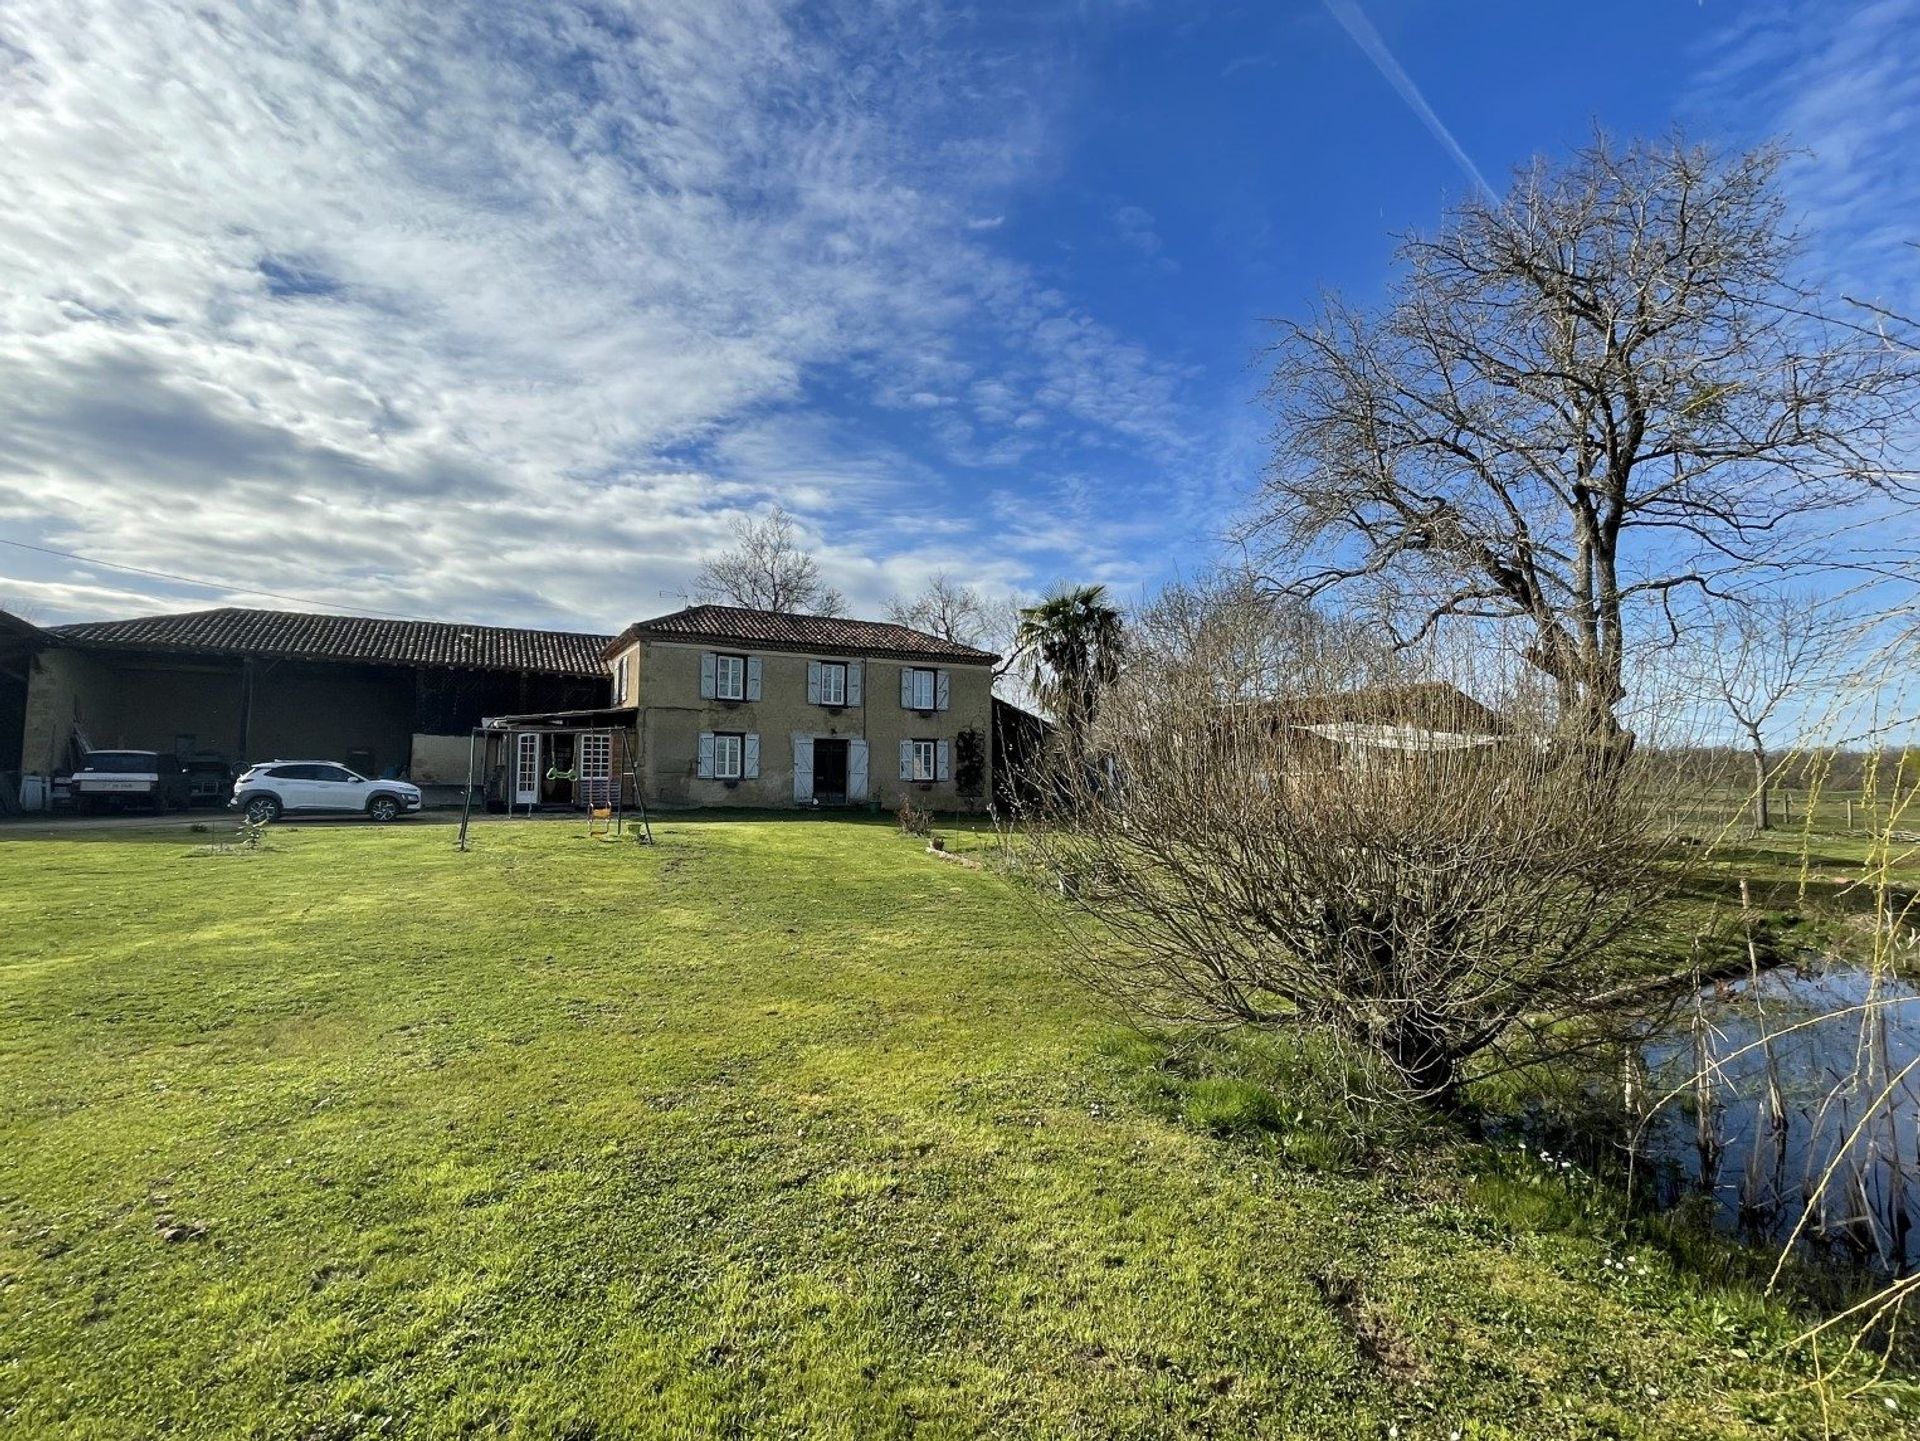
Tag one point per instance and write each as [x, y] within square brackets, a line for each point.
[203, 584]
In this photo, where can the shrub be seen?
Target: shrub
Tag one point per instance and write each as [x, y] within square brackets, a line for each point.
[1354, 862]
[913, 820]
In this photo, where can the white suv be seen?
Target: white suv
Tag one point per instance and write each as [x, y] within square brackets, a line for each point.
[271, 789]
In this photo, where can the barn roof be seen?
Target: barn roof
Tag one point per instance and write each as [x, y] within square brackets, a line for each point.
[297, 635]
[783, 630]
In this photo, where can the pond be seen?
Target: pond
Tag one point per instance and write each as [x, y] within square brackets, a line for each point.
[1794, 1102]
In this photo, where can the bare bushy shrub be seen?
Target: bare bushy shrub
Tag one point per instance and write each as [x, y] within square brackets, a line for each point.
[912, 820]
[1394, 864]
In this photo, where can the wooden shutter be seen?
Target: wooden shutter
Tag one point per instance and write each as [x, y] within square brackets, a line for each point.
[943, 760]
[813, 682]
[750, 757]
[802, 767]
[942, 692]
[856, 770]
[906, 760]
[706, 675]
[906, 687]
[853, 682]
[753, 677]
[706, 752]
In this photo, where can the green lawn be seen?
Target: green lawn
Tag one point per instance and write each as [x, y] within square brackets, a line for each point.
[779, 1128]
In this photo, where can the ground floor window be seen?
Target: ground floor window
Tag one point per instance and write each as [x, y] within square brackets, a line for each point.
[925, 760]
[728, 749]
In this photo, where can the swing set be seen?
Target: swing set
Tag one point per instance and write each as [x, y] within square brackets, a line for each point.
[522, 763]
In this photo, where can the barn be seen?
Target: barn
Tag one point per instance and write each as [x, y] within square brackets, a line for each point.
[231, 686]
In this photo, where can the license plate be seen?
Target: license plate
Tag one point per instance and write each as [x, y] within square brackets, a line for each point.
[92, 787]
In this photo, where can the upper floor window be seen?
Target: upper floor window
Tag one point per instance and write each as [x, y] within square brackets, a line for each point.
[919, 689]
[730, 677]
[621, 674]
[833, 684]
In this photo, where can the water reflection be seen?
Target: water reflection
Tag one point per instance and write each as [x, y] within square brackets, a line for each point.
[1795, 1103]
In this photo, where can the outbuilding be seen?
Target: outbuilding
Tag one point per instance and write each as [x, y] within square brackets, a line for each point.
[232, 685]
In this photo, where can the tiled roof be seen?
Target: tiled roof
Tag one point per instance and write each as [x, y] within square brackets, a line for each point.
[293, 634]
[780, 630]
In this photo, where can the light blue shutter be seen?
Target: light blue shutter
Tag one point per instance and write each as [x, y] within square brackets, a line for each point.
[942, 692]
[853, 682]
[706, 752]
[906, 687]
[802, 767]
[750, 758]
[753, 677]
[706, 675]
[856, 770]
[813, 682]
[942, 761]
[906, 760]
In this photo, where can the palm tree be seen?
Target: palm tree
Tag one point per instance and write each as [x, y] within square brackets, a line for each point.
[1073, 642]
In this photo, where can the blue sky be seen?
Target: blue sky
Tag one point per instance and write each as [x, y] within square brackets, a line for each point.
[502, 313]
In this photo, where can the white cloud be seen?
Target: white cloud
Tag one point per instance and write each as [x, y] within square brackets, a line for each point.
[1841, 83]
[459, 309]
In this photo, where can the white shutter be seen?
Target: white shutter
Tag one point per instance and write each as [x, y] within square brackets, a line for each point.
[853, 682]
[906, 687]
[942, 692]
[906, 760]
[706, 675]
[706, 752]
[753, 677]
[943, 759]
[856, 770]
[750, 757]
[802, 767]
[813, 682]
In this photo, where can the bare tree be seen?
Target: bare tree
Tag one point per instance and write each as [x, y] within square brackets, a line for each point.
[1754, 655]
[767, 569]
[963, 614]
[1352, 864]
[945, 608]
[1604, 390]
[1261, 636]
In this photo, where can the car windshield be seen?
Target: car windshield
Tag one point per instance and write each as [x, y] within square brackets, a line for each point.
[121, 761]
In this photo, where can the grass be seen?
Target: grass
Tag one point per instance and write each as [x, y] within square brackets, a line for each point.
[782, 1127]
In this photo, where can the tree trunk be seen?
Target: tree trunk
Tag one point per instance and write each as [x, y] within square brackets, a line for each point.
[1762, 817]
[1427, 1063]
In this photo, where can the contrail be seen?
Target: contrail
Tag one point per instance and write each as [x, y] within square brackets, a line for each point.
[1354, 21]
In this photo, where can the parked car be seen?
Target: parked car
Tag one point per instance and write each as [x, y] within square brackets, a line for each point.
[271, 789]
[109, 779]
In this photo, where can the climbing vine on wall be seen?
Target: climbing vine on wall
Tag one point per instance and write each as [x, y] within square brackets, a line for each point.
[970, 763]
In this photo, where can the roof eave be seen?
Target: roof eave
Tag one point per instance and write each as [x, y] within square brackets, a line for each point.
[639, 633]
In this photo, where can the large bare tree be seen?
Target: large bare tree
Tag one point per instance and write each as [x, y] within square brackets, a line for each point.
[1578, 404]
[768, 569]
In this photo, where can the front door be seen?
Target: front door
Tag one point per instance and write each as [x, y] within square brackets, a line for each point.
[829, 771]
[526, 768]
